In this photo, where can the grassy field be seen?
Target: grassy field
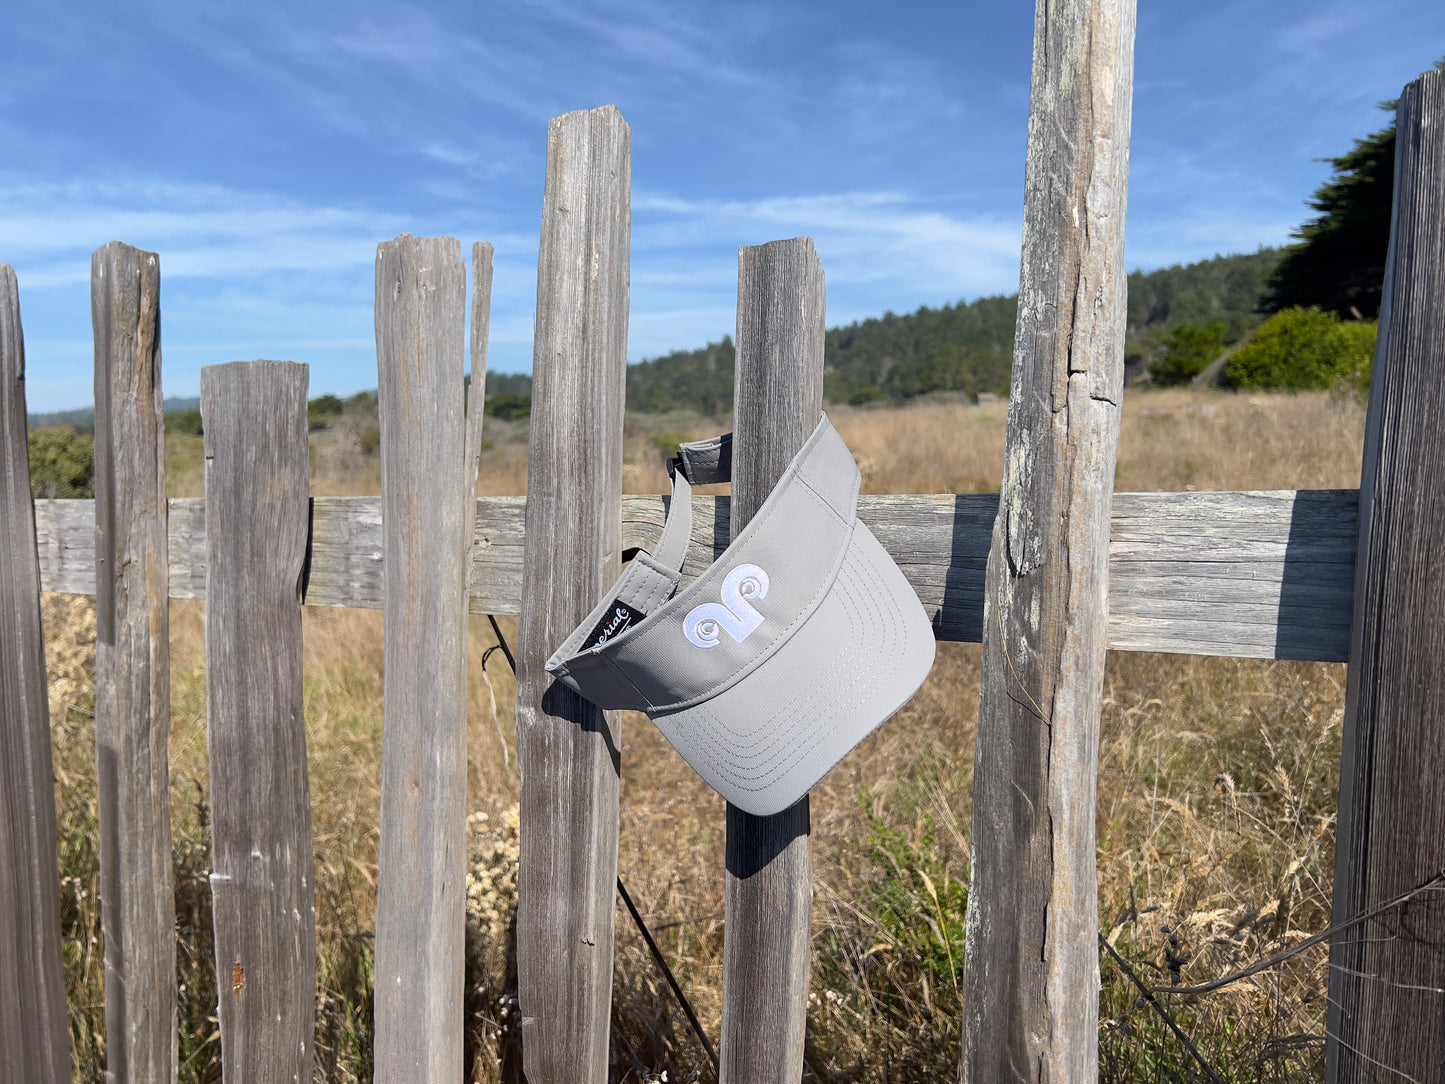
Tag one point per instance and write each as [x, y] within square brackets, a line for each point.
[1218, 783]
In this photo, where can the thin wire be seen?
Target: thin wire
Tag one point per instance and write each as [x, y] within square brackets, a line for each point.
[502, 643]
[676, 989]
[1309, 942]
[632, 909]
[1147, 994]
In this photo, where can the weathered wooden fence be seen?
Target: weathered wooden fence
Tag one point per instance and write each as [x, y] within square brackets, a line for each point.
[1048, 576]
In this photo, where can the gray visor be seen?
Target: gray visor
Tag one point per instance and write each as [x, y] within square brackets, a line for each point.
[783, 655]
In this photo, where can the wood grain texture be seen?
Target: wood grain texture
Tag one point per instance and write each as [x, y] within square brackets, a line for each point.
[1265, 575]
[427, 534]
[132, 669]
[1386, 1019]
[1032, 971]
[1258, 575]
[768, 890]
[34, 1033]
[568, 748]
[254, 415]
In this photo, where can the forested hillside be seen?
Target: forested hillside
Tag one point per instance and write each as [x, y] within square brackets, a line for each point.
[965, 347]
[1226, 289]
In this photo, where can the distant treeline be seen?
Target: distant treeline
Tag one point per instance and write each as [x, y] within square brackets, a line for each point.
[184, 415]
[83, 419]
[966, 348]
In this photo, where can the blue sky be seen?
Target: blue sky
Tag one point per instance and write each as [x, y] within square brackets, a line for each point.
[264, 149]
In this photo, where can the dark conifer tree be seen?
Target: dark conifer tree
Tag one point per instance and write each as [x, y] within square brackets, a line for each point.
[1338, 261]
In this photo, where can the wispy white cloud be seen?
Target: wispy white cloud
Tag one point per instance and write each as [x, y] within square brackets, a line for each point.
[201, 230]
[861, 237]
[700, 42]
[885, 91]
[245, 273]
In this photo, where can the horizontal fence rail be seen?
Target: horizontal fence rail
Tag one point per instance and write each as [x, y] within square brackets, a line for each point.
[1265, 575]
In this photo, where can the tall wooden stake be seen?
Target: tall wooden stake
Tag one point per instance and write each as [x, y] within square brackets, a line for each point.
[34, 1034]
[482, 253]
[568, 748]
[1031, 962]
[257, 481]
[427, 518]
[768, 895]
[132, 669]
[1387, 1013]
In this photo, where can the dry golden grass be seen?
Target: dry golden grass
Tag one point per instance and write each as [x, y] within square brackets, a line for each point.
[1216, 796]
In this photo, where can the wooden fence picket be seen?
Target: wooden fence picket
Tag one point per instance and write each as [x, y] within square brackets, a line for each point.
[1387, 975]
[132, 669]
[482, 254]
[568, 748]
[427, 523]
[34, 1033]
[768, 894]
[1031, 963]
[262, 889]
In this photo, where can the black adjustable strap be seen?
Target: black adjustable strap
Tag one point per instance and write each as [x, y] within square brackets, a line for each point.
[704, 462]
[651, 578]
[699, 462]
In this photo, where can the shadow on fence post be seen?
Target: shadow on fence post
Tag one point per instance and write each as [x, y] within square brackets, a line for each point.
[1386, 976]
[1031, 970]
[132, 669]
[262, 893]
[427, 521]
[778, 399]
[34, 1033]
[567, 747]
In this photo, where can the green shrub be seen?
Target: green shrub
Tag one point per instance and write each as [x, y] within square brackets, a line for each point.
[362, 403]
[185, 422]
[62, 463]
[1188, 350]
[1304, 348]
[322, 410]
[1361, 335]
[508, 406]
[865, 396]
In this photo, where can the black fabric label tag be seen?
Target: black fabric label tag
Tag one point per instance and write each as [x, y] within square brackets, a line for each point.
[619, 616]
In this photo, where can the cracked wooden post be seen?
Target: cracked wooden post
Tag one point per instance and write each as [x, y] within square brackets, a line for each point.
[132, 669]
[568, 748]
[1031, 962]
[34, 1031]
[1385, 1018]
[257, 483]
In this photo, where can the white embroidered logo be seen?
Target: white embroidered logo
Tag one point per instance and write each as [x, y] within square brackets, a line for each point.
[734, 615]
